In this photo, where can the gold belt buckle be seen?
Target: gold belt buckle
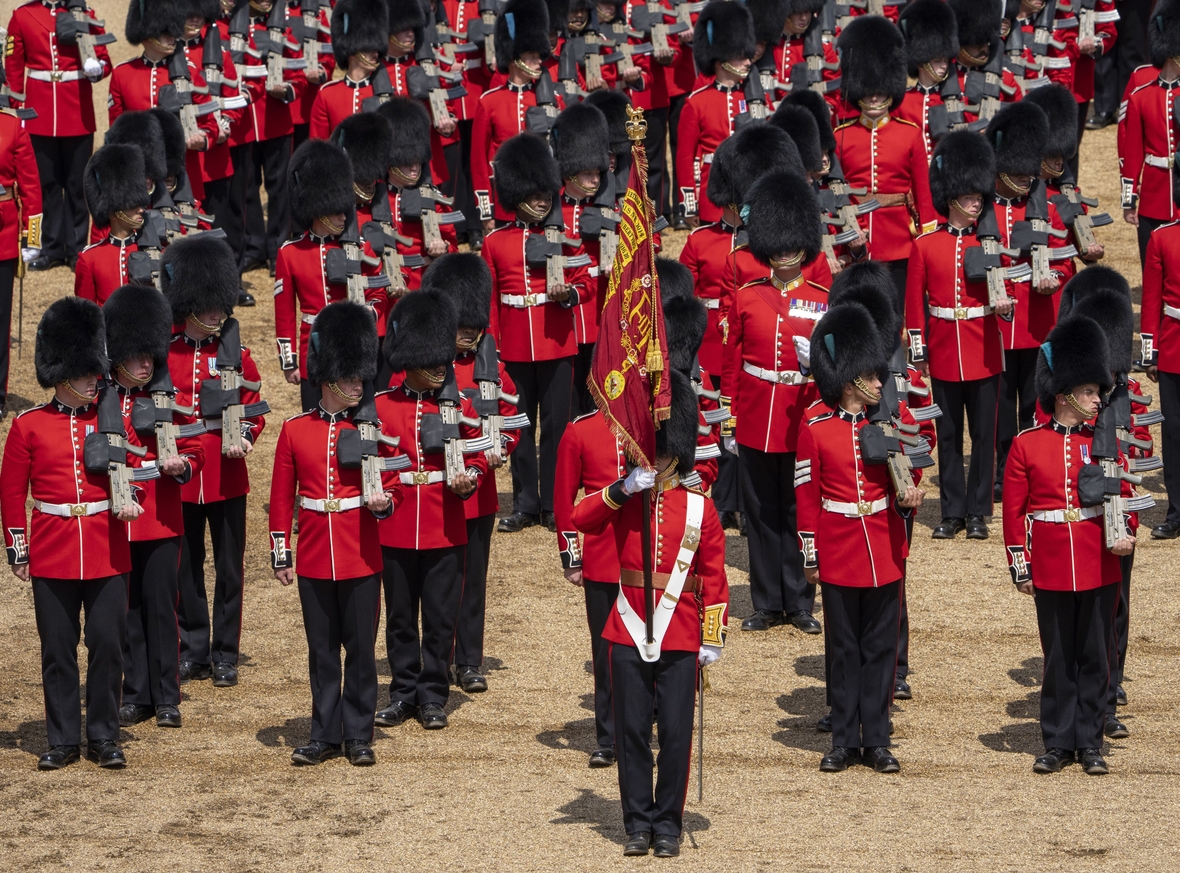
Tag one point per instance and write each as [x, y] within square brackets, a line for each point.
[1073, 515]
[77, 510]
[421, 478]
[785, 377]
[55, 75]
[960, 313]
[864, 508]
[530, 300]
[332, 505]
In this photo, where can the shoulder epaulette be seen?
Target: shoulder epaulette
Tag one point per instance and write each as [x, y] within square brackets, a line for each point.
[585, 415]
[903, 121]
[817, 286]
[761, 281]
[702, 227]
[30, 409]
[1169, 224]
[95, 244]
[299, 415]
[928, 232]
[848, 123]
[824, 417]
[699, 90]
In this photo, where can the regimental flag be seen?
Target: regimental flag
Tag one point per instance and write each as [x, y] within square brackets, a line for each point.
[628, 380]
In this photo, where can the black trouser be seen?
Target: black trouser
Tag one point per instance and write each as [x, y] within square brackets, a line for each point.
[961, 496]
[234, 219]
[7, 276]
[1146, 227]
[341, 613]
[777, 583]
[663, 693]
[673, 138]
[899, 272]
[270, 159]
[861, 626]
[727, 492]
[1017, 404]
[61, 164]
[583, 403]
[657, 160]
[1169, 396]
[428, 582]
[474, 598]
[1107, 90]
[547, 386]
[1120, 631]
[227, 531]
[902, 668]
[216, 203]
[152, 653]
[600, 600]
[1074, 162]
[56, 605]
[300, 135]
[464, 190]
[1075, 628]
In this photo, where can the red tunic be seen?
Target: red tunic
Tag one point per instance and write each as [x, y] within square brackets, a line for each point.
[1148, 138]
[865, 551]
[486, 500]
[136, 84]
[410, 226]
[706, 120]
[1105, 34]
[586, 312]
[191, 362]
[762, 323]
[706, 254]
[102, 268]
[32, 55]
[215, 162]
[477, 77]
[1041, 474]
[301, 108]
[43, 455]
[334, 102]
[915, 109]
[1010, 90]
[788, 52]
[267, 118]
[959, 350]
[1058, 62]
[1141, 75]
[18, 175]
[590, 457]
[1161, 287]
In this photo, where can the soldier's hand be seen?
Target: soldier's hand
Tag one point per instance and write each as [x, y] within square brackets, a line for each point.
[560, 295]
[1093, 252]
[1124, 546]
[129, 513]
[692, 221]
[834, 264]
[1025, 588]
[811, 574]
[595, 83]
[913, 497]
[489, 226]
[436, 248]
[446, 126]
[923, 368]
[631, 74]
[196, 142]
[1131, 216]
[286, 575]
[1153, 373]
[173, 467]
[279, 93]
[1088, 46]
[1006, 307]
[663, 56]
[292, 376]
[379, 502]
[463, 484]
[1048, 286]
[573, 576]
[21, 571]
[240, 451]
[495, 458]
[314, 77]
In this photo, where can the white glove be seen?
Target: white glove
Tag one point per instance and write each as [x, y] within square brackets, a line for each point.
[638, 480]
[28, 255]
[803, 353]
[708, 655]
[730, 444]
[93, 69]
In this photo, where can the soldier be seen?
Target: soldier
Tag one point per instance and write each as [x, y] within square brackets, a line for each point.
[321, 185]
[852, 534]
[200, 281]
[142, 129]
[366, 138]
[763, 387]
[1056, 62]
[117, 195]
[320, 64]
[338, 558]
[532, 322]
[931, 46]
[793, 47]
[56, 84]
[953, 332]
[980, 45]
[654, 685]
[646, 82]
[75, 555]
[360, 34]
[422, 545]
[1057, 551]
[138, 332]
[878, 151]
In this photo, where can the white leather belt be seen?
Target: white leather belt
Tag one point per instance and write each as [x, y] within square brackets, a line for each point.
[855, 510]
[781, 377]
[524, 301]
[254, 71]
[959, 313]
[707, 159]
[307, 318]
[71, 510]
[1171, 311]
[54, 75]
[1055, 63]
[1164, 163]
[1065, 516]
[423, 477]
[337, 504]
[711, 302]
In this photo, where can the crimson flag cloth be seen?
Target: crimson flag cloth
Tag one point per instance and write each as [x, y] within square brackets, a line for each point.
[628, 379]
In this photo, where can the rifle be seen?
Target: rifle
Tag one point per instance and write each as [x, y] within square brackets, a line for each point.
[1120, 401]
[483, 30]
[343, 265]
[441, 432]
[307, 30]
[567, 69]
[600, 221]
[240, 30]
[361, 447]
[487, 400]
[539, 119]
[156, 414]
[1032, 235]
[685, 9]
[648, 19]
[106, 451]
[548, 250]
[277, 42]
[810, 74]
[982, 88]
[888, 440]
[1014, 60]
[221, 398]
[836, 202]
[1102, 482]
[74, 29]
[382, 90]
[425, 81]
[383, 239]
[721, 414]
[1071, 207]
[21, 269]
[948, 116]
[417, 204]
[843, 11]
[143, 266]
[177, 96]
[755, 102]
[7, 97]
[982, 263]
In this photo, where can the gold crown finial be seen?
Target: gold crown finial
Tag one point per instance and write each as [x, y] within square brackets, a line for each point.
[636, 126]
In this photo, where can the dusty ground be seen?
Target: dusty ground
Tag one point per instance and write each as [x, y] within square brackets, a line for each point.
[507, 785]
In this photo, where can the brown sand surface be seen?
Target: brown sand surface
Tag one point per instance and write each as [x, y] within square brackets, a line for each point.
[506, 786]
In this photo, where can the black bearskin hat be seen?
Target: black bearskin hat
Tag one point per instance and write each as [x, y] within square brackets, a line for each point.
[172, 133]
[367, 139]
[524, 166]
[677, 435]
[581, 140]
[613, 105]
[1105, 296]
[963, 163]
[1060, 107]
[421, 332]
[343, 344]
[199, 273]
[149, 18]
[724, 31]
[685, 321]
[523, 26]
[675, 278]
[769, 16]
[411, 131]
[793, 6]
[1163, 31]
[872, 60]
[142, 129]
[930, 32]
[799, 124]
[1018, 133]
[870, 284]
[559, 16]
[464, 277]
[742, 159]
[818, 107]
[210, 10]
[845, 344]
[320, 182]
[1076, 353]
[71, 342]
[781, 214]
[115, 180]
[139, 322]
[978, 20]
[404, 15]
[359, 26]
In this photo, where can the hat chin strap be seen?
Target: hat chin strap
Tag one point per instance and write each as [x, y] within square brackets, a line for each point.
[583, 191]
[863, 387]
[933, 75]
[530, 212]
[1007, 180]
[65, 383]
[430, 377]
[406, 179]
[465, 346]
[526, 69]
[131, 378]
[362, 194]
[1056, 174]
[333, 229]
[782, 263]
[1081, 410]
[348, 399]
[972, 214]
[866, 106]
[135, 222]
[200, 325]
[737, 71]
